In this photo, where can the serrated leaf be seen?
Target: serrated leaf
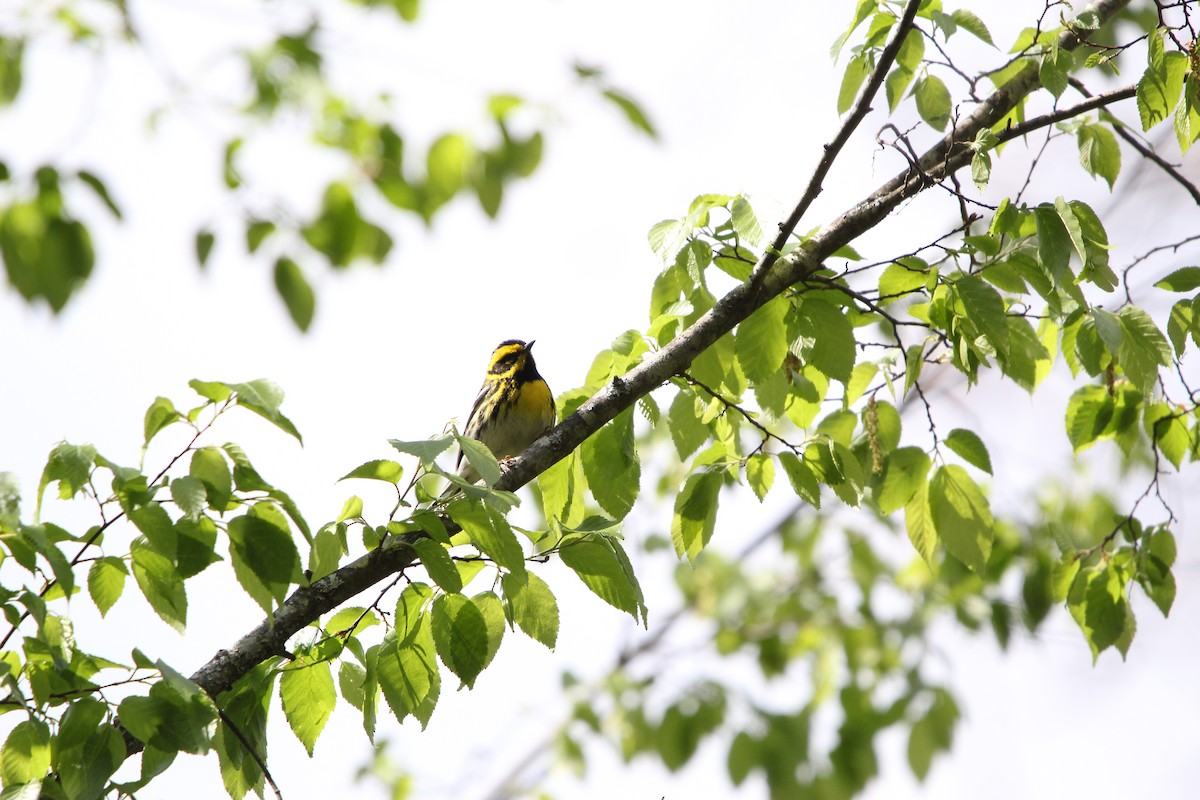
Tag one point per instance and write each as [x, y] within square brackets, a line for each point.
[761, 340]
[612, 467]
[904, 473]
[377, 470]
[602, 565]
[190, 496]
[490, 532]
[972, 449]
[985, 308]
[210, 468]
[961, 516]
[438, 564]
[687, 431]
[25, 756]
[745, 221]
[803, 479]
[534, 607]
[308, 698]
[918, 522]
[480, 458]
[829, 338]
[972, 24]
[461, 636]
[1143, 348]
[160, 582]
[159, 415]
[760, 473]
[1184, 279]
[1099, 153]
[106, 582]
[933, 101]
[695, 515]
[426, 450]
[265, 559]
[852, 80]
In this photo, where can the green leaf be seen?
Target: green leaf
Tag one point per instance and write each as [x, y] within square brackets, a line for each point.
[1160, 86]
[408, 672]
[438, 564]
[918, 522]
[903, 276]
[803, 479]
[933, 733]
[212, 470]
[308, 698]
[1089, 412]
[852, 80]
[1143, 349]
[562, 487]
[828, 336]
[461, 636]
[264, 556]
[972, 24]
[106, 582]
[257, 230]
[87, 751]
[264, 398]
[351, 509]
[190, 495]
[612, 467]
[205, 240]
[1054, 244]
[1054, 71]
[1184, 279]
[1099, 153]
[912, 50]
[961, 516]
[71, 466]
[602, 565]
[1169, 432]
[160, 582]
[426, 450]
[295, 291]
[762, 341]
[490, 532]
[480, 458]
[632, 111]
[985, 308]
[533, 606]
[159, 415]
[695, 513]
[745, 221]
[904, 473]
[687, 431]
[377, 470]
[972, 449]
[933, 101]
[760, 472]
[25, 757]
[176, 715]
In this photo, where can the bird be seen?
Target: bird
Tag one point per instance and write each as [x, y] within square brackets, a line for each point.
[514, 406]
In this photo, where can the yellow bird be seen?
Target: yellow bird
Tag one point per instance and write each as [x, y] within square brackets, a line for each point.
[513, 408]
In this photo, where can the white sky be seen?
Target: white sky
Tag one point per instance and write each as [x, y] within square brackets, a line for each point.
[743, 95]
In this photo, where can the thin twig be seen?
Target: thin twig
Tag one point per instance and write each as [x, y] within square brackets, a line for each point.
[861, 107]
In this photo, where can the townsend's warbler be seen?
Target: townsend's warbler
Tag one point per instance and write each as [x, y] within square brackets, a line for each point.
[513, 408]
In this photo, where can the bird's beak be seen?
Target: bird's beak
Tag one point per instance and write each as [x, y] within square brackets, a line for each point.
[529, 346]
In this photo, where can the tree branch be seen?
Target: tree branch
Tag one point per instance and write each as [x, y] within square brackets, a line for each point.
[861, 107]
[952, 152]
